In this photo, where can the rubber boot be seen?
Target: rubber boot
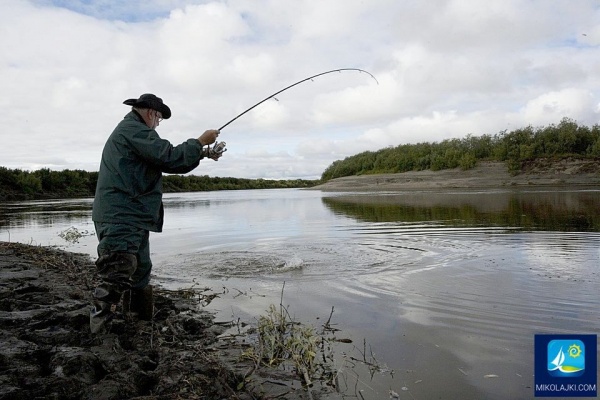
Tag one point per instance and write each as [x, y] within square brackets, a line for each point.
[140, 302]
[100, 315]
[105, 296]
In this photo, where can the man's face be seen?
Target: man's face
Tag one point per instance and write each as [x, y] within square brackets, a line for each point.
[153, 118]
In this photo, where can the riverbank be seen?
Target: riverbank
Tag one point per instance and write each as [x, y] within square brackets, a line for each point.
[486, 175]
[47, 350]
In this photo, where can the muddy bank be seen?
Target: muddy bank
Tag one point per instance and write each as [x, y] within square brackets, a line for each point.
[486, 175]
[47, 351]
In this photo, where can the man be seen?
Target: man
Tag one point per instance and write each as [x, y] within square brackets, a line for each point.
[128, 201]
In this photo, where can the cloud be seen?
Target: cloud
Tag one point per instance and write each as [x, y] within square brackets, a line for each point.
[446, 68]
[549, 107]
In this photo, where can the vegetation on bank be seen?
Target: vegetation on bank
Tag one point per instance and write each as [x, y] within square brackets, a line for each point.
[516, 148]
[16, 184]
[567, 139]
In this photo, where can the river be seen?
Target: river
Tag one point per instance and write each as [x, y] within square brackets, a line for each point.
[442, 291]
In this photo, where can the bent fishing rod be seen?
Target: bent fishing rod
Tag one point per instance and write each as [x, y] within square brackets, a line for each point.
[297, 83]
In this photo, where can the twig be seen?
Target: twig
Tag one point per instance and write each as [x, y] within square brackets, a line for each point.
[306, 377]
[327, 325]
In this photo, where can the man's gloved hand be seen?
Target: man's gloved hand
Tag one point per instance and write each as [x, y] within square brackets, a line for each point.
[216, 152]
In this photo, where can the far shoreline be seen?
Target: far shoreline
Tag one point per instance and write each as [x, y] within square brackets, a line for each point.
[569, 173]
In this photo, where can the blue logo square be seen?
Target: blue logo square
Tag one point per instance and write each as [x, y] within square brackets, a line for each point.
[566, 358]
[565, 365]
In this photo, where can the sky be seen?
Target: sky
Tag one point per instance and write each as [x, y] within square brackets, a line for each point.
[444, 69]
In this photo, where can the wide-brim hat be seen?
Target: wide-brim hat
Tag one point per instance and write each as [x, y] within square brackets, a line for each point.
[148, 100]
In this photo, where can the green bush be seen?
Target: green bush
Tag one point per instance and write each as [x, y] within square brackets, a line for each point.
[566, 139]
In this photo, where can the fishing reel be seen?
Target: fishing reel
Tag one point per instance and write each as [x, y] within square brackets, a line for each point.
[217, 150]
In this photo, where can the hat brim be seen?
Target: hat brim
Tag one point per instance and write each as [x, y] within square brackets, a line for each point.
[160, 107]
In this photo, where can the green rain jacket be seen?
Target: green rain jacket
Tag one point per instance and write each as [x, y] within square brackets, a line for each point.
[129, 189]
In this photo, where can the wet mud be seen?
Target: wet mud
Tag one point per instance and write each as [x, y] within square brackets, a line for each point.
[47, 350]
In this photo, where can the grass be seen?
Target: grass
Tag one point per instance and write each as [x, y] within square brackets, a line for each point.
[281, 341]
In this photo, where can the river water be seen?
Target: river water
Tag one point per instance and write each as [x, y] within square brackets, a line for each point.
[442, 292]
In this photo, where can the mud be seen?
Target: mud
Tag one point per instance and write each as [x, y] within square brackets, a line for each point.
[47, 350]
[541, 173]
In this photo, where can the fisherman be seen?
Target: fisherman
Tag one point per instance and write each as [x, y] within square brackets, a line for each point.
[128, 203]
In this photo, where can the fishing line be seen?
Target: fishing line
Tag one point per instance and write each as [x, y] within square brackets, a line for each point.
[297, 83]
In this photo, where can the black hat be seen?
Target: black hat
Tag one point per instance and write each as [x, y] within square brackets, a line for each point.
[149, 100]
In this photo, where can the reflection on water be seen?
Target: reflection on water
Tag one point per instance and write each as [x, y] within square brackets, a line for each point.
[41, 222]
[553, 211]
[444, 287]
[43, 212]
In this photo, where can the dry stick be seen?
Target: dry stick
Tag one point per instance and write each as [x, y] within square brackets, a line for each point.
[365, 362]
[175, 331]
[281, 316]
[373, 364]
[337, 381]
[356, 387]
[152, 334]
[281, 300]
[358, 380]
[327, 325]
[282, 394]
[306, 377]
[323, 350]
[251, 369]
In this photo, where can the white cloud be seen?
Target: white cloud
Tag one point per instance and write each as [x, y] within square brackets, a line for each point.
[549, 107]
[446, 68]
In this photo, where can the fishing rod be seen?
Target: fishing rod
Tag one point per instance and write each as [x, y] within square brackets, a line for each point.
[297, 83]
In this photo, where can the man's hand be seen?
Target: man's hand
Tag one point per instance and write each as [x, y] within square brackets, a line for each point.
[208, 137]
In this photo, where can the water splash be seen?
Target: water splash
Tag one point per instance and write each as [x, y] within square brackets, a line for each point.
[248, 264]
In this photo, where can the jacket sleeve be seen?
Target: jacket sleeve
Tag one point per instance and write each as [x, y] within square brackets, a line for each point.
[170, 159]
